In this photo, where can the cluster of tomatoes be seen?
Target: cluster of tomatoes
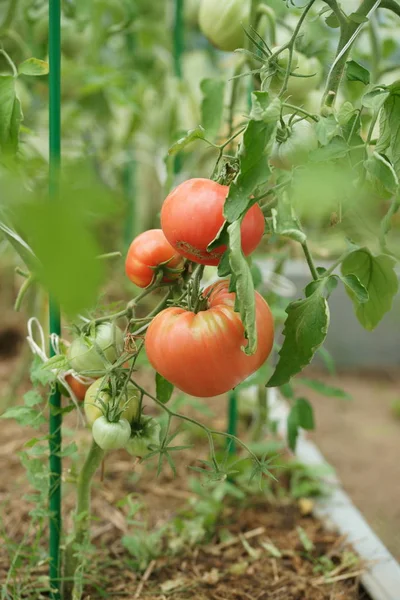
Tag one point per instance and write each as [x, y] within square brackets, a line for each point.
[197, 347]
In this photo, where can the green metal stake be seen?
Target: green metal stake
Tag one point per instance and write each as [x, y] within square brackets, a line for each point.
[55, 321]
[232, 420]
[179, 47]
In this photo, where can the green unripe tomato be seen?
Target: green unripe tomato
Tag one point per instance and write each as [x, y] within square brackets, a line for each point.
[83, 356]
[282, 61]
[100, 392]
[299, 87]
[111, 436]
[222, 22]
[293, 145]
[145, 434]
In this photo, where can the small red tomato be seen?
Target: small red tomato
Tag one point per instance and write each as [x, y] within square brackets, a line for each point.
[202, 353]
[192, 215]
[78, 387]
[149, 252]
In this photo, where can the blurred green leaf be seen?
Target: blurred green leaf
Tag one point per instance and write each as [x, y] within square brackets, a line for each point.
[326, 129]
[377, 275]
[375, 99]
[336, 148]
[284, 221]
[34, 67]
[164, 389]
[10, 114]
[212, 105]
[381, 169]
[191, 136]
[305, 330]
[353, 284]
[324, 389]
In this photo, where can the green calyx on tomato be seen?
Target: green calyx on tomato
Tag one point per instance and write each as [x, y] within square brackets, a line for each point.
[145, 435]
[99, 401]
[149, 254]
[279, 65]
[91, 354]
[111, 435]
[192, 215]
[293, 144]
[222, 22]
[201, 353]
[305, 77]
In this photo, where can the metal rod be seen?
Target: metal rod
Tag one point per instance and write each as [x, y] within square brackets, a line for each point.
[179, 47]
[232, 420]
[55, 420]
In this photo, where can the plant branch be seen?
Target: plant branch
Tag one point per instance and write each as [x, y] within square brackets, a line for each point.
[340, 15]
[9, 16]
[310, 260]
[391, 5]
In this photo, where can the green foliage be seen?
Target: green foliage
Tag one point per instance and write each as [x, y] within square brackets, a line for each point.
[164, 389]
[212, 106]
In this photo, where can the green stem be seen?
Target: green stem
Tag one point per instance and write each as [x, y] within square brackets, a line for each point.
[265, 10]
[300, 110]
[22, 291]
[375, 48]
[179, 42]
[73, 550]
[310, 260]
[391, 5]
[338, 262]
[341, 17]
[10, 62]
[262, 420]
[348, 34]
[109, 255]
[232, 420]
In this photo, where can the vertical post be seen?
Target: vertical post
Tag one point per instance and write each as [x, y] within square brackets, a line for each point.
[55, 420]
[129, 176]
[232, 420]
[179, 46]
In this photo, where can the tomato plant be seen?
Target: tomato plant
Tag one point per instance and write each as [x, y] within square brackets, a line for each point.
[201, 353]
[192, 215]
[293, 144]
[99, 399]
[111, 435]
[145, 435]
[222, 23]
[150, 253]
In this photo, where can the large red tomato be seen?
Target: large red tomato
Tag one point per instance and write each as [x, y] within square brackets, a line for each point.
[201, 353]
[150, 250]
[78, 387]
[192, 215]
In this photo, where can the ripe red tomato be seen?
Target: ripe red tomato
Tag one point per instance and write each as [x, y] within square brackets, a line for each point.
[77, 387]
[192, 215]
[148, 252]
[201, 353]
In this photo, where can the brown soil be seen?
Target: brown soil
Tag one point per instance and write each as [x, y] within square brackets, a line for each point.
[361, 439]
[217, 570]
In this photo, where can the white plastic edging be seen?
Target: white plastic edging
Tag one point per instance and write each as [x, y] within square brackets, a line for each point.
[381, 578]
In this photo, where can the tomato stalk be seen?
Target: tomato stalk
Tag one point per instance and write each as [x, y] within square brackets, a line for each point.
[82, 521]
[310, 260]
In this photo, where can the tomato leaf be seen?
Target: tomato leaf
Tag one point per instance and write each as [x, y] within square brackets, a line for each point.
[264, 110]
[253, 165]
[34, 67]
[245, 299]
[354, 285]
[390, 131]
[305, 330]
[164, 389]
[10, 114]
[380, 169]
[292, 426]
[212, 105]
[375, 99]
[284, 222]
[301, 416]
[377, 275]
[356, 72]
[345, 112]
[326, 129]
[357, 18]
[337, 148]
[324, 389]
[25, 415]
[193, 134]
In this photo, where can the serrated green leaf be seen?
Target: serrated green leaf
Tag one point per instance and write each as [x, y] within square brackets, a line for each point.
[336, 148]
[356, 72]
[32, 398]
[10, 114]
[377, 275]
[375, 99]
[284, 222]
[305, 330]
[245, 299]
[345, 113]
[34, 67]
[212, 105]
[164, 389]
[224, 266]
[381, 170]
[353, 284]
[25, 415]
[253, 165]
[326, 129]
[357, 18]
[263, 109]
[324, 389]
[332, 21]
[194, 134]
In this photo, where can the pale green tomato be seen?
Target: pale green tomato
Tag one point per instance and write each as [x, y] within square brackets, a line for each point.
[99, 392]
[191, 13]
[83, 356]
[299, 87]
[301, 140]
[145, 434]
[283, 61]
[222, 22]
[111, 436]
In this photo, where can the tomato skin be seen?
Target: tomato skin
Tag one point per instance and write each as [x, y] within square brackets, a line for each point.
[77, 386]
[299, 87]
[148, 250]
[192, 215]
[145, 434]
[111, 436]
[83, 356]
[100, 391]
[222, 22]
[201, 353]
[294, 151]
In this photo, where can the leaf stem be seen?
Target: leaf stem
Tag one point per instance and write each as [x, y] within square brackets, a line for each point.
[300, 110]
[310, 260]
[22, 291]
[391, 5]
